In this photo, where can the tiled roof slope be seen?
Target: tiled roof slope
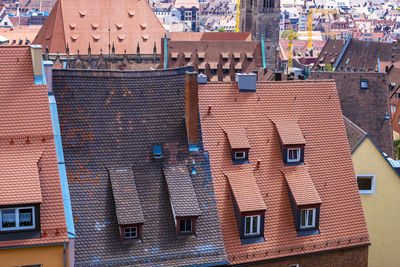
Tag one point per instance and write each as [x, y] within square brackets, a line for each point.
[364, 107]
[358, 55]
[327, 156]
[110, 119]
[26, 139]
[210, 36]
[355, 134]
[122, 23]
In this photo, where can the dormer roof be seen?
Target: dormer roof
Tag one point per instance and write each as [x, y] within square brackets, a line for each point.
[237, 138]
[289, 131]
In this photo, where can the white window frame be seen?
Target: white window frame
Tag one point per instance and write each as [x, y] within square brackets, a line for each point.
[186, 231]
[372, 191]
[306, 220]
[17, 227]
[131, 237]
[237, 157]
[297, 159]
[251, 225]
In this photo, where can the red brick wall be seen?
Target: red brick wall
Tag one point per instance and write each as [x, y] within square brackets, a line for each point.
[356, 257]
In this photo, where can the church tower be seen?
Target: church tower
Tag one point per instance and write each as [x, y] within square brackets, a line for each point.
[261, 18]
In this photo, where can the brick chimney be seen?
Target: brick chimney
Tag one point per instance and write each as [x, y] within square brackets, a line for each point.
[192, 107]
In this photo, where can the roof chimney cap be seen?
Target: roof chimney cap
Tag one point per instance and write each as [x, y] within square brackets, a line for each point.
[247, 82]
[202, 79]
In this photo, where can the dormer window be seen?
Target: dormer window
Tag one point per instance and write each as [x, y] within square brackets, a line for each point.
[12, 219]
[240, 155]
[293, 154]
[239, 145]
[252, 225]
[364, 84]
[130, 232]
[307, 218]
[185, 226]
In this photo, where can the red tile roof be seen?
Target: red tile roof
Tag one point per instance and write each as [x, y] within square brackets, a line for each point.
[26, 136]
[289, 131]
[327, 157]
[237, 138]
[245, 189]
[301, 185]
[124, 24]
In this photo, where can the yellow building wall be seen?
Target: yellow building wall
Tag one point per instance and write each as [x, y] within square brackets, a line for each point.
[381, 209]
[48, 256]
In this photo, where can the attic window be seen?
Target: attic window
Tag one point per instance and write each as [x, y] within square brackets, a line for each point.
[119, 25]
[95, 25]
[121, 37]
[72, 26]
[143, 25]
[293, 154]
[145, 37]
[252, 225]
[239, 145]
[157, 152]
[240, 155]
[12, 219]
[74, 37]
[366, 184]
[96, 37]
[130, 232]
[185, 226]
[364, 84]
[82, 13]
[307, 218]
[131, 13]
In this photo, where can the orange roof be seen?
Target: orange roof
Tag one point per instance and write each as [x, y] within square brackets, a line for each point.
[316, 107]
[237, 138]
[20, 33]
[289, 131]
[123, 24]
[27, 145]
[245, 190]
[210, 36]
[19, 174]
[301, 185]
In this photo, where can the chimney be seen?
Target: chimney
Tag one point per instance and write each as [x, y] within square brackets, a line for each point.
[36, 55]
[247, 82]
[48, 70]
[192, 109]
[301, 77]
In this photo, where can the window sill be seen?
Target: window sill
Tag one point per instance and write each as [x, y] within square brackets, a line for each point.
[293, 163]
[252, 240]
[308, 232]
[366, 192]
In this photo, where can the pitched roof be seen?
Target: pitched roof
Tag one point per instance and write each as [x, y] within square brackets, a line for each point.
[237, 138]
[289, 131]
[210, 36]
[330, 53]
[186, 3]
[316, 105]
[301, 185]
[117, 124]
[355, 134]
[127, 204]
[245, 190]
[181, 192]
[26, 145]
[122, 24]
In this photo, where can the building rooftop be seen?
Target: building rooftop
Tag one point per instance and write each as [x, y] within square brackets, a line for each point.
[326, 177]
[28, 162]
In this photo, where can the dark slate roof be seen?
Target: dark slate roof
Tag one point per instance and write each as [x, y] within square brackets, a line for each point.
[181, 191]
[364, 107]
[355, 134]
[126, 199]
[358, 55]
[110, 120]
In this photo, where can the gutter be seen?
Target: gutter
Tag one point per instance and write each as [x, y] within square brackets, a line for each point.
[165, 53]
[36, 245]
[263, 52]
[342, 53]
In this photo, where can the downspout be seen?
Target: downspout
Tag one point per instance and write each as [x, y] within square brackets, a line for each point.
[263, 52]
[165, 53]
[64, 256]
[342, 53]
[379, 64]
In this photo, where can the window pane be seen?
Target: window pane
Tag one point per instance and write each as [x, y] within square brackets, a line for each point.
[303, 218]
[310, 217]
[364, 183]
[8, 218]
[182, 225]
[188, 225]
[248, 225]
[255, 222]
[25, 217]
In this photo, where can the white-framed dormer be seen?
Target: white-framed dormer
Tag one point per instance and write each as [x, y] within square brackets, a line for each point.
[293, 155]
[18, 218]
[366, 183]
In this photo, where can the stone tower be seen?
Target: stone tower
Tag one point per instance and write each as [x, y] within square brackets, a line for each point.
[261, 18]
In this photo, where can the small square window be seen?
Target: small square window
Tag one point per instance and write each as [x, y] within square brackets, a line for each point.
[366, 184]
[307, 218]
[293, 155]
[130, 232]
[252, 225]
[240, 155]
[364, 84]
[185, 226]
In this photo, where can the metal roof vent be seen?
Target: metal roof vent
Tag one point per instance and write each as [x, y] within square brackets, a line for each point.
[201, 78]
[157, 152]
[247, 82]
